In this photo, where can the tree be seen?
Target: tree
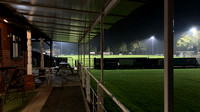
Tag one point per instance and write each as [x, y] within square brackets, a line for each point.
[94, 49]
[108, 49]
[123, 47]
[189, 42]
[56, 52]
[138, 47]
[115, 49]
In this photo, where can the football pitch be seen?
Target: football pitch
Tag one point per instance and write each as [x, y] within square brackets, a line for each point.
[72, 58]
[141, 90]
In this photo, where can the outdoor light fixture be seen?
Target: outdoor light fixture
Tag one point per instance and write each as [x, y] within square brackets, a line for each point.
[5, 20]
[193, 30]
[152, 38]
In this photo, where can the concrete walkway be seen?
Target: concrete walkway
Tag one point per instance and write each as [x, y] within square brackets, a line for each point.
[63, 95]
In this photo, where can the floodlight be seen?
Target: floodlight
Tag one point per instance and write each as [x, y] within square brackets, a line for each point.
[152, 37]
[193, 30]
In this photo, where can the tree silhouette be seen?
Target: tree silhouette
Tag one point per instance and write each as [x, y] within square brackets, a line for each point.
[123, 47]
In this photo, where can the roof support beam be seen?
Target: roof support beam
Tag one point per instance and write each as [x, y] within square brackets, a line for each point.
[54, 31]
[107, 9]
[47, 6]
[54, 17]
[61, 18]
[67, 35]
[63, 34]
[63, 29]
[41, 22]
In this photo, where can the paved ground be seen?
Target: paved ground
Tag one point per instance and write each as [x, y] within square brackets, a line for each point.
[65, 99]
[66, 95]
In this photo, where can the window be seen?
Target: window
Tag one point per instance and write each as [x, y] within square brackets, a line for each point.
[15, 46]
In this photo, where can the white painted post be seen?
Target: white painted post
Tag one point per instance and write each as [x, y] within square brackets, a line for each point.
[88, 76]
[29, 65]
[168, 53]
[42, 56]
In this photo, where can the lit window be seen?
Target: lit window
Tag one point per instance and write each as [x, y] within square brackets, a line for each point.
[15, 47]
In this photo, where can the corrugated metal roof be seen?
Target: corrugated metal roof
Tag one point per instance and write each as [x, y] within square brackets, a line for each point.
[70, 20]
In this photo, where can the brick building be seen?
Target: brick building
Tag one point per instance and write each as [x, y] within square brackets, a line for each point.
[13, 48]
[13, 40]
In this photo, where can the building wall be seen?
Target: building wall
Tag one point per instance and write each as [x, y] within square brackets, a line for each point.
[6, 59]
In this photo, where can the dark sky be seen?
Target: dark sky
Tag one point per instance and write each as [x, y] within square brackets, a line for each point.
[149, 20]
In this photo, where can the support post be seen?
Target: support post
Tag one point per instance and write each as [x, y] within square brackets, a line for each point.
[41, 53]
[89, 50]
[84, 52]
[83, 71]
[88, 76]
[29, 50]
[81, 52]
[79, 65]
[168, 53]
[51, 53]
[78, 59]
[29, 82]
[100, 90]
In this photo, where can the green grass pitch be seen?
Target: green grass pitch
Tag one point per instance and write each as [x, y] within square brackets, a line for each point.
[141, 90]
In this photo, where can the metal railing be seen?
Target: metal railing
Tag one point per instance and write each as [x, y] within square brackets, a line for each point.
[94, 99]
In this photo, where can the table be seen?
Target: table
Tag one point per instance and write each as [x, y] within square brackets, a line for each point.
[65, 66]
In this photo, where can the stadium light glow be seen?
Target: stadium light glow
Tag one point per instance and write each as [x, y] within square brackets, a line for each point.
[193, 30]
[152, 38]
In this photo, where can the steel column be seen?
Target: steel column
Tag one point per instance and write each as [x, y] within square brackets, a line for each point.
[83, 71]
[78, 59]
[79, 63]
[88, 76]
[84, 52]
[81, 52]
[168, 53]
[41, 53]
[51, 53]
[89, 50]
[100, 90]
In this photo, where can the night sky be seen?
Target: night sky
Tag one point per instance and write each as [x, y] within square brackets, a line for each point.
[148, 21]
